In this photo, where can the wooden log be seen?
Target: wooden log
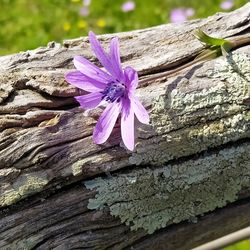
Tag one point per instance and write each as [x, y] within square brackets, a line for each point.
[192, 160]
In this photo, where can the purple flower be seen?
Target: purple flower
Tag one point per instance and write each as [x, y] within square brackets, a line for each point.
[226, 5]
[115, 86]
[180, 15]
[128, 6]
[189, 12]
[84, 11]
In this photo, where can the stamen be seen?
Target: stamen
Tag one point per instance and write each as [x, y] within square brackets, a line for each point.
[114, 91]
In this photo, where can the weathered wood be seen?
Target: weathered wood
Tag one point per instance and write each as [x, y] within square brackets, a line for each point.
[62, 221]
[191, 159]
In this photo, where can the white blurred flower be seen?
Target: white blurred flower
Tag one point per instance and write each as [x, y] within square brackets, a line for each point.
[227, 5]
[128, 6]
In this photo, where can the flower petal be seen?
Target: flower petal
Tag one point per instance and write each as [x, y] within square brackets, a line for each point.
[89, 101]
[100, 53]
[106, 123]
[115, 59]
[131, 79]
[90, 70]
[140, 112]
[127, 125]
[79, 80]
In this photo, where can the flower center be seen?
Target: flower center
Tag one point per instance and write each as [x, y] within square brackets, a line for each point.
[113, 92]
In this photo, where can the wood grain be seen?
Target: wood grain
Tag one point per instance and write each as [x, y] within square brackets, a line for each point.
[46, 147]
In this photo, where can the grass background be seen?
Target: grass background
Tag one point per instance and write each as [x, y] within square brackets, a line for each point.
[27, 24]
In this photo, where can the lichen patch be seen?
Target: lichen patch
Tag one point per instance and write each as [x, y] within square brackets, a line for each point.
[154, 198]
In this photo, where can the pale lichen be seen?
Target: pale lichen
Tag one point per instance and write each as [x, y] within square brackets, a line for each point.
[9, 197]
[23, 186]
[77, 167]
[193, 139]
[154, 198]
[234, 69]
[190, 122]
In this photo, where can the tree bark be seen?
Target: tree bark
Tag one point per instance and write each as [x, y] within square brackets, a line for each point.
[188, 179]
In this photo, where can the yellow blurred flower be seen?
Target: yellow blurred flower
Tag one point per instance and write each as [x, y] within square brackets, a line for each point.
[82, 24]
[101, 23]
[75, 1]
[66, 26]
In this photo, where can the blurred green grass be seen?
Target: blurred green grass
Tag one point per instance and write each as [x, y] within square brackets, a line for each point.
[243, 245]
[27, 24]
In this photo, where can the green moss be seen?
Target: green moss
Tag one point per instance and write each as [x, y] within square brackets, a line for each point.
[153, 198]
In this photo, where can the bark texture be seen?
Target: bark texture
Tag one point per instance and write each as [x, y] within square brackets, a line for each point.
[192, 160]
